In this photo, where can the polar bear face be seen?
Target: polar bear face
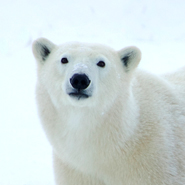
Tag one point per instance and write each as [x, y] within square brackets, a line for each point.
[81, 74]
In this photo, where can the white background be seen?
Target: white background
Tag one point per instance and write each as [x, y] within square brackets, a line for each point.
[156, 27]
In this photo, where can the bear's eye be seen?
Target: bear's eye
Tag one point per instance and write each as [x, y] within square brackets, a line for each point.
[101, 64]
[64, 61]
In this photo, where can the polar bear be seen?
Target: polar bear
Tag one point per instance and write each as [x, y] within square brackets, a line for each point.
[110, 123]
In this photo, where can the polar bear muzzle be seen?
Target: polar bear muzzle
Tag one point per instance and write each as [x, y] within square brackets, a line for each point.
[79, 83]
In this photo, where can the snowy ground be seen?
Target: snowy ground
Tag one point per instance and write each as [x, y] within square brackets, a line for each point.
[156, 27]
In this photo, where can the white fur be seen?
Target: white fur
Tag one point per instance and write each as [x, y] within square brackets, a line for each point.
[130, 131]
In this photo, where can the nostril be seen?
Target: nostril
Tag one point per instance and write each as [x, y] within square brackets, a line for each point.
[80, 81]
[76, 82]
[83, 82]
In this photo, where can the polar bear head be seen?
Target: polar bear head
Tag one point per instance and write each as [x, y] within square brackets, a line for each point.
[82, 74]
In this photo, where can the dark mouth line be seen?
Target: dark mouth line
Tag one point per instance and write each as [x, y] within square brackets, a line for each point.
[79, 95]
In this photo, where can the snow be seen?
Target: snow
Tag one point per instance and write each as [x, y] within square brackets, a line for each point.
[156, 27]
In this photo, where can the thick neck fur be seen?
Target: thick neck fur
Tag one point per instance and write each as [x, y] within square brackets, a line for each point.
[114, 125]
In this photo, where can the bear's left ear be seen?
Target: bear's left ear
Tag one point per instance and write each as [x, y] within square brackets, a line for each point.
[130, 57]
[42, 48]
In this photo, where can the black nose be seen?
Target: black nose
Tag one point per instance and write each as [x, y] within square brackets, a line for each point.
[80, 81]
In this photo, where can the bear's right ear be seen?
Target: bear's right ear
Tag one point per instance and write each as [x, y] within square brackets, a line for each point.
[42, 48]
